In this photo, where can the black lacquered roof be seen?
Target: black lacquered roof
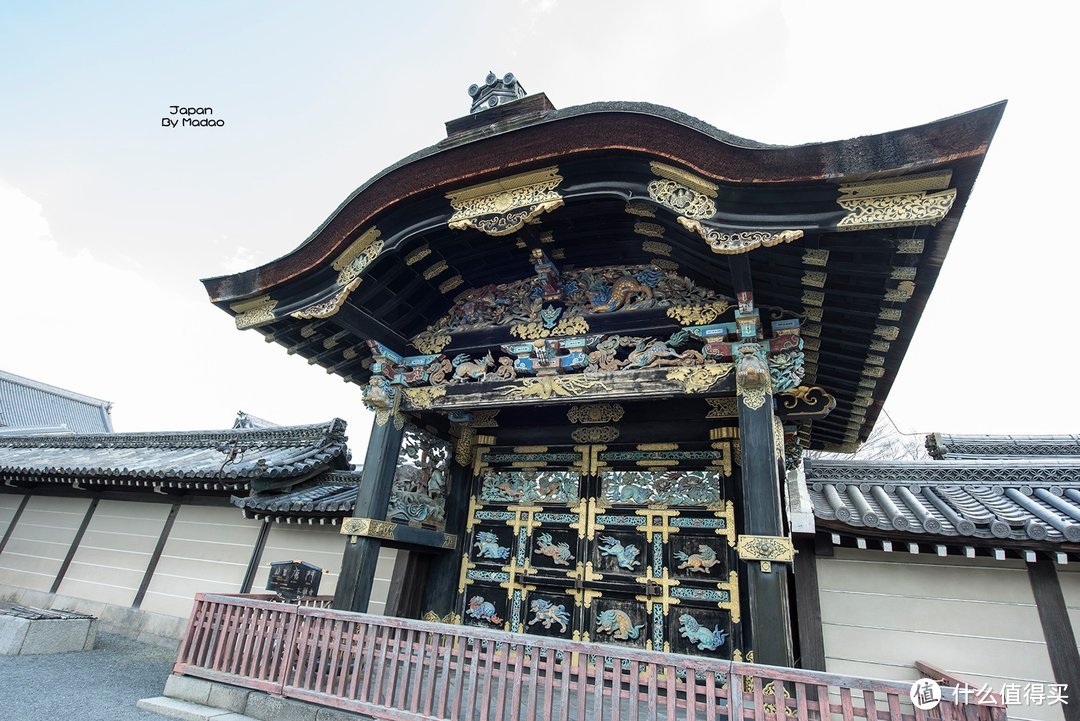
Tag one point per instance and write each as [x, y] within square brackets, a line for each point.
[843, 283]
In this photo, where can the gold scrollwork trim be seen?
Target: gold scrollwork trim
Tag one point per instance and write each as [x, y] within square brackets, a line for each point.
[681, 199]
[642, 210]
[536, 330]
[653, 230]
[595, 413]
[417, 255]
[765, 548]
[435, 269]
[450, 283]
[739, 242]
[656, 247]
[595, 434]
[895, 211]
[504, 206]
[699, 379]
[698, 314]
[424, 397]
[684, 177]
[453, 619]
[371, 527]
[732, 587]
[427, 343]
[723, 408]
[358, 256]
[254, 312]
[329, 307]
[545, 387]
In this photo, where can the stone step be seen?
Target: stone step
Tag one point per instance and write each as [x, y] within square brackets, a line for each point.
[188, 710]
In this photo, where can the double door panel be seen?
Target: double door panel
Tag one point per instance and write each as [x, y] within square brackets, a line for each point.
[627, 556]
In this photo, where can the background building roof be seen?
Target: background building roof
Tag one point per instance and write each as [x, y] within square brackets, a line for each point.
[32, 406]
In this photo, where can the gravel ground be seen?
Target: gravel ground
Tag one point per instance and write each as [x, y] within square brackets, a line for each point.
[98, 685]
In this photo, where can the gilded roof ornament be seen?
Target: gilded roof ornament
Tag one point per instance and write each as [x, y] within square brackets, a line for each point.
[738, 242]
[502, 207]
[254, 312]
[896, 202]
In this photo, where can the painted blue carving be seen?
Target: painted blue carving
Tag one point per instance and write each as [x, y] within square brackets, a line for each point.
[483, 610]
[703, 638]
[700, 594]
[625, 556]
[487, 546]
[547, 613]
[700, 562]
[618, 625]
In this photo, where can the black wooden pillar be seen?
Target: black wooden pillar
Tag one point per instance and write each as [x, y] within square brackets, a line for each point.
[764, 560]
[372, 498]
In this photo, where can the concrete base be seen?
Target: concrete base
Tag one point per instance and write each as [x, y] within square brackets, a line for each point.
[195, 699]
[25, 637]
[153, 628]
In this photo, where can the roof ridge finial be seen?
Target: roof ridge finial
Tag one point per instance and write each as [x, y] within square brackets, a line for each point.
[495, 91]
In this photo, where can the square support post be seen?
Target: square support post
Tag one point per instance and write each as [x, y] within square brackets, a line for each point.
[372, 499]
[765, 550]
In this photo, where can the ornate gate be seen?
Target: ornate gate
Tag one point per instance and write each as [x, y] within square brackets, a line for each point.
[625, 544]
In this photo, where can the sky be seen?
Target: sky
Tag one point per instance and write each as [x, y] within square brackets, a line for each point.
[108, 219]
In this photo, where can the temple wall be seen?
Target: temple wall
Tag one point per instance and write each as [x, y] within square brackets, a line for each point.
[975, 618]
[8, 505]
[111, 560]
[323, 546]
[40, 541]
[208, 549]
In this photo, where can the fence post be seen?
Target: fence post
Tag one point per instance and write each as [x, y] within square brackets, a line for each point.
[290, 649]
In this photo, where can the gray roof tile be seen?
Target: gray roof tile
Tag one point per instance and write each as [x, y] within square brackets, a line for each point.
[1018, 499]
[260, 454]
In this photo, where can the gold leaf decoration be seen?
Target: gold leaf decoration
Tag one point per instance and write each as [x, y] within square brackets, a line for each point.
[545, 387]
[698, 314]
[640, 209]
[536, 330]
[656, 247]
[683, 200]
[738, 242]
[424, 397]
[895, 211]
[254, 312]
[504, 206]
[653, 230]
[428, 343]
[723, 407]
[328, 307]
[417, 255]
[595, 413]
[448, 285]
[358, 256]
[435, 269]
[595, 434]
[699, 379]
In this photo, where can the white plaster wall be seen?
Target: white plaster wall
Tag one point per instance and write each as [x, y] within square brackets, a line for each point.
[323, 546]
[975, 618]
[112, 557]
[40, 541]
[208, 551]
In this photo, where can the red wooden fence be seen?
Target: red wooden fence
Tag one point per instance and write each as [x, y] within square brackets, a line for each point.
[402, 669]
